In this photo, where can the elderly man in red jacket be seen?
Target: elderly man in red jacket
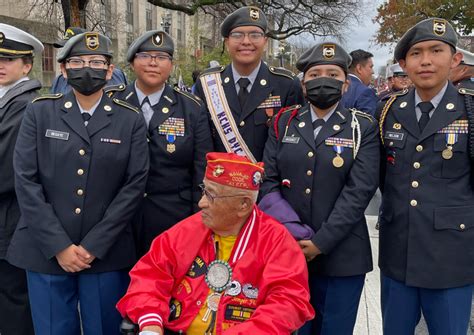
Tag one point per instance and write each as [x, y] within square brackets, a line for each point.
[229, 269]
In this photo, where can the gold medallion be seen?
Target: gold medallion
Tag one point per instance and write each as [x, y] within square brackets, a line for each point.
[170, 147]
[447, 153]
[338, 161]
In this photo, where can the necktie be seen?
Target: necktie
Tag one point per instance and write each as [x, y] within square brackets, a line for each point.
[318, 123]
[147, 111]
[243, 93]
[317, 126]
[425, 108]
[86, 117]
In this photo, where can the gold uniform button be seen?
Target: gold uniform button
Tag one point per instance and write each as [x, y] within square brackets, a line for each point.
[242, 123]
[310, 154]
[80, 192]
[145, 195]
[414, 184]
[416, 165]
[80, 172]
[82, 152]
[307, 191]
[309, 172]
[419, 148]
[77, 211]
[462, 226]
[413, 203]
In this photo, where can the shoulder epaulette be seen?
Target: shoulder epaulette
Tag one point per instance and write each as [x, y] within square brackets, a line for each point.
[466, 91]
[110, 90]
[362, 114]
[189, 96]
[212, 70]
[126, 105]
[48, 96]
[282, 72]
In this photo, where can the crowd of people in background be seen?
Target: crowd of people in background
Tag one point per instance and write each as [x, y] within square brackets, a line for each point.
[235, 206]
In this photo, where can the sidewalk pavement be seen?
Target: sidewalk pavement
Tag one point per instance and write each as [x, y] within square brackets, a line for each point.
[369, 318]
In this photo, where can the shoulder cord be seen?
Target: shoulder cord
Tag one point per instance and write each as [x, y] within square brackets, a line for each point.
[383, 115]
[356, 134]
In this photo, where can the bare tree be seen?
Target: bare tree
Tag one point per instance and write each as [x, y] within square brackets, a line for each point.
[290, 17]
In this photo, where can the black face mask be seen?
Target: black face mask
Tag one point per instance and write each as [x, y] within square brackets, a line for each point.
[323, 92]
[86, 80]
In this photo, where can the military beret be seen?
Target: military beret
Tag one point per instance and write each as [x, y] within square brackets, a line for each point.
[426, 30]
[89, 43]
[245, 16]
[153, 40]
[467, 57]
[70, 32]
[16, 43]
[324, 53]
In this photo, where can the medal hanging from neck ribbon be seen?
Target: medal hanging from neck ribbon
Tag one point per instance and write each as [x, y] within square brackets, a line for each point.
[451, 139]
[338, 161]
[218, 279]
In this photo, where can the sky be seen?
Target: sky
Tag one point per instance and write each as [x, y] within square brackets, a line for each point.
[360, 36]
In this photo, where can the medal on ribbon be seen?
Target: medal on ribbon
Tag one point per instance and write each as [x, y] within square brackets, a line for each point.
[451, 139]
[170, 146]
[338, 161]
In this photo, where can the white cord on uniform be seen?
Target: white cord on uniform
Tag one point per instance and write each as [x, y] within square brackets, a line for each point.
[356, 133]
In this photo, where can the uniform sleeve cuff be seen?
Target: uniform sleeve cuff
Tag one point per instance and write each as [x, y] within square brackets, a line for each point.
[150, 319]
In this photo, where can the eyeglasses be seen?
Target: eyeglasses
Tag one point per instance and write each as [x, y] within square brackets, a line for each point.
[77, 63]
[147, 58]
[239, 36]
[211, 197]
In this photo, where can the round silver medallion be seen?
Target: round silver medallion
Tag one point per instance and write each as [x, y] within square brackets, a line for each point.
[234, 288]
[218, 275]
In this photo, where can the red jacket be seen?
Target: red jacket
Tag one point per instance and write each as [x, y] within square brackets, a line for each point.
[168, 289]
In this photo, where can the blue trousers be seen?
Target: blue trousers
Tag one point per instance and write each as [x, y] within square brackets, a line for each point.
[56, 300]
[335, 300]
[446, 311]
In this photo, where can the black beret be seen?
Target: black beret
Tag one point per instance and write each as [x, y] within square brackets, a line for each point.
[16, 43]
[245, 16]
[70, 32]
[426, 30]
[89, 43]
[153, 40]
[324, 53]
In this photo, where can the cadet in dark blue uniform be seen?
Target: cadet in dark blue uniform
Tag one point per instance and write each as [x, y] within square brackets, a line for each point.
[323, 160]
[178, 137]
[246, 112]
[81, 162]
[17, 50]
[427, 217]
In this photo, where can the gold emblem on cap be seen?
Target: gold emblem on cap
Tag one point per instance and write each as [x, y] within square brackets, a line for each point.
[336, 127]
[403, 104]
[218, 170]
[397, 126]
[107, 108]
[157, 39]
[92, 41]
[68, 104]
[439, 27]
[2, 37]
[68, 34]
[263, 82]
[254, 14]
[329, 51]
[301, 124]
[449, 106]
[165, 110]
[226, 80]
